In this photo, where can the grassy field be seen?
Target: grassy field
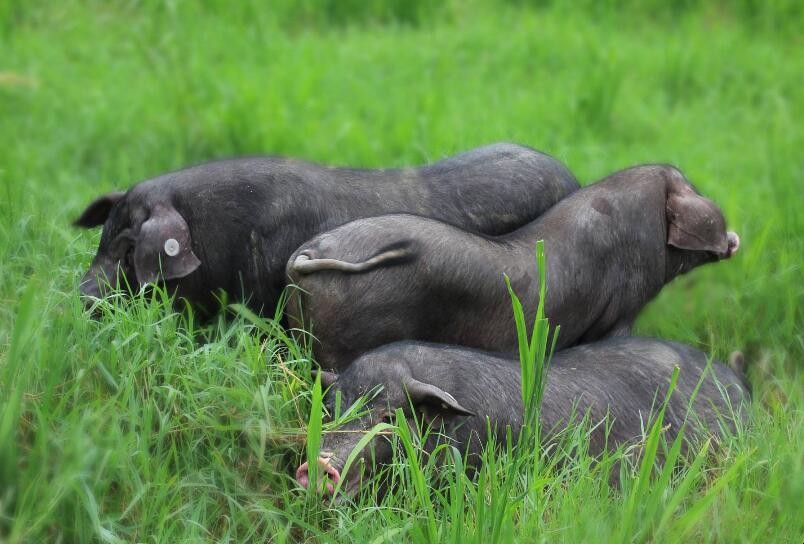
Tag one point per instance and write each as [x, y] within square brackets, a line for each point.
[144, 426]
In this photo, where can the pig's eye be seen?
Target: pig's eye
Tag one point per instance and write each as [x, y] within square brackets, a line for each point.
[387, 417]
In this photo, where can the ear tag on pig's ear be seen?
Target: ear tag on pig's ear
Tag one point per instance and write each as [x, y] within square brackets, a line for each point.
[172, 247]
[164, 231]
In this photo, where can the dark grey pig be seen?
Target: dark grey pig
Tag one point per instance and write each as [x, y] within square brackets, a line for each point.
[232, 224]
[458, 388]
[610, 248]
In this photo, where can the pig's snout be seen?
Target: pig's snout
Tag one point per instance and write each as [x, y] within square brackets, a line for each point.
[89, 286]
[733, 245]
[326, 472]
[101, 280]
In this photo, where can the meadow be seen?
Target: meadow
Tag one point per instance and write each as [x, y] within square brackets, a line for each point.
[146, 425]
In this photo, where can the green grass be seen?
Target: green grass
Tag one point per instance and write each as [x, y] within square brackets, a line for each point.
[145, 426]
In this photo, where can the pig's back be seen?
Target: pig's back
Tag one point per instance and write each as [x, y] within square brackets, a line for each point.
[629, 377]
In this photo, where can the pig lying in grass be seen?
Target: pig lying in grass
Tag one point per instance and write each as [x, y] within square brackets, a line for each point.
[231, 225]
[455, 389]
[610, 248]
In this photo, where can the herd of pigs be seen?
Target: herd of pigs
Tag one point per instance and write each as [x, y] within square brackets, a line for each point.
[399, 274]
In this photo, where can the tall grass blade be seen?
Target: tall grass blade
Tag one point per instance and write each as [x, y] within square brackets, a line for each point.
[364, 441]
[314, 424]
[414, 465]
[639, 500]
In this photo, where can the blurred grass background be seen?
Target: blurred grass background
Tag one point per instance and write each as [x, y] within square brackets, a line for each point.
[141, 425]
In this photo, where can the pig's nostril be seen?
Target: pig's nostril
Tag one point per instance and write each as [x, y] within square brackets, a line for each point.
[734, 243]
[302, 475]
[326, 471]
[332, 473]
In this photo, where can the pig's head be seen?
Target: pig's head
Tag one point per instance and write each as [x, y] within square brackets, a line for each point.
[696, 228]
[393, 387]
[144, 240]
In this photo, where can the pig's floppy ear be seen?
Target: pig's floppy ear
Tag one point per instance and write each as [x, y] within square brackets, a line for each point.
[327, 378]
[694, 222]
[163, 249]
[98, 210]
[425, 393]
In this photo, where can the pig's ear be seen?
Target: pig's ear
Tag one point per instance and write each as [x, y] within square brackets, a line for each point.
[98, 210]
[327, 378]
[428, 394]
[695, 222]
[163, 249]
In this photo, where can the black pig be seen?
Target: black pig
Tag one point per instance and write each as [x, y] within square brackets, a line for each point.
[232, 224]
[455, 389]
[610, 248]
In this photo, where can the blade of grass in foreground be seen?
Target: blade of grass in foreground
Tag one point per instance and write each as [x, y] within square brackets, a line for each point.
[11, 388]
[272, 328]
[361, 444]
[417, 475]
[457, 498]
[683, 489]
[686, 522]
[638, 500]
[314, 434]
[533, 359]
[533, 354]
